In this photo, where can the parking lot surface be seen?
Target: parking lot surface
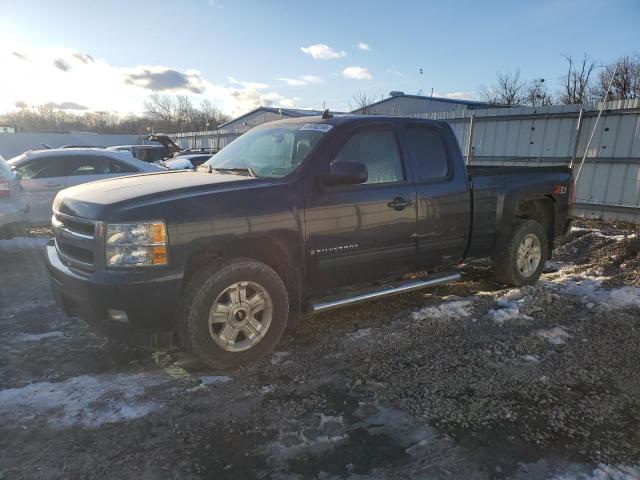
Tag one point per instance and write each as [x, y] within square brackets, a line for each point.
[468, 380]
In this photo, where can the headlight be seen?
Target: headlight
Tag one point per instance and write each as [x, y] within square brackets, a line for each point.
[136, 244]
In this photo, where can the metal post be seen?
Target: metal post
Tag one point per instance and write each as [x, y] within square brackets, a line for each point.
[577, 144]
[469, 152]
[593, 131]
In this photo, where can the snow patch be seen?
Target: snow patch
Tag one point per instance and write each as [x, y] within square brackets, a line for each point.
[598, 233]
[279, 357]
[214, 379]
[86, 400]
[35, 337]
[531, 359]
[555, 336]
[603, 472]
[589, 290]
[450, 310]
[358, 334]
[23, 243]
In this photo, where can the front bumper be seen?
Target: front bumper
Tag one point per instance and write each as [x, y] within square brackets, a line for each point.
[148, 297]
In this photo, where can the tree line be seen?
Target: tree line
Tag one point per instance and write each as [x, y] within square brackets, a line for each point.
[584, 82]
[163, 113]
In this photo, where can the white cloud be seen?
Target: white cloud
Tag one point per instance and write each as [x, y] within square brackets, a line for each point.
[245, 84]
[37, 78]
[394, 72]
[363, 46]
[301, 80]
[357, 73]
[320, 51]
[456, 95]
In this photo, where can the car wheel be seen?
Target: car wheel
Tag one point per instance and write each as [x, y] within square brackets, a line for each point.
[236, 312]
[522, 260]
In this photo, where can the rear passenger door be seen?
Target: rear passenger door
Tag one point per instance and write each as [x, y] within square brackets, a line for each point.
[366, 231]
[89, 168]
[42, 178]
[444, 204]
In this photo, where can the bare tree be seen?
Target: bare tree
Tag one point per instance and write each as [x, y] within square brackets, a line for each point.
[536, 94]
[161, 107]
[576, 81]
[362, 102]
[625, 85]
[508, 91]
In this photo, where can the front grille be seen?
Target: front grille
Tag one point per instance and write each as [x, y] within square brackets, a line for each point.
[74, 240]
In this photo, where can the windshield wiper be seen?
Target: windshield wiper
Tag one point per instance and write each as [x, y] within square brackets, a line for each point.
[247, 170]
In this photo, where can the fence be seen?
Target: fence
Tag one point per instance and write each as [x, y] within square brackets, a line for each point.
[12, 144]
[214, 139]
[609, 184]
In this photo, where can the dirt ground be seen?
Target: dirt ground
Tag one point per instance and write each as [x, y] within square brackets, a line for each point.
[469, 380]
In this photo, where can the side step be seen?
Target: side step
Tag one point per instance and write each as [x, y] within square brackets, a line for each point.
[331, 304]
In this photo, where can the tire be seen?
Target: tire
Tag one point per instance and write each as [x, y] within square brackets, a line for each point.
[252, 309]
[506, 266]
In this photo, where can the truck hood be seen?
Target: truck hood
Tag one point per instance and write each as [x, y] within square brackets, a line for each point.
[90, 200]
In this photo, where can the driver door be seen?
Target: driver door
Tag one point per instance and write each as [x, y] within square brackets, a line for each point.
[367, 231]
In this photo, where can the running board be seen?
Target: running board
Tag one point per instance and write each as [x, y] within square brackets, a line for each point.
[326, 305]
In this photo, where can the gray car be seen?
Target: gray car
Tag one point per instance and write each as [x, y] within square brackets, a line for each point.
[12, 210]
[45, 172]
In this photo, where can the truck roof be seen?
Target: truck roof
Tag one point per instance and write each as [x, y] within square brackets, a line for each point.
[342, 119]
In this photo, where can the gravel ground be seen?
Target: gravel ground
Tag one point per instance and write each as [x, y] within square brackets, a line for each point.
[468, 380]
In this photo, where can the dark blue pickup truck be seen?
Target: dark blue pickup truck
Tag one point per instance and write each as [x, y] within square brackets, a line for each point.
[271, 227]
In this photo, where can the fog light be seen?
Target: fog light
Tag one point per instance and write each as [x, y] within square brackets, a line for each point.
[118, 316]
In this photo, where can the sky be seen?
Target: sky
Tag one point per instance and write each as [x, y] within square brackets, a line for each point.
[110, 56]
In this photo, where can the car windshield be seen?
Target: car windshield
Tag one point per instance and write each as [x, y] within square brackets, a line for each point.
[272, 151]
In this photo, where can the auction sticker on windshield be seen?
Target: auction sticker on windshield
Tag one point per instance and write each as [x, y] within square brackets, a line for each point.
[318, 127]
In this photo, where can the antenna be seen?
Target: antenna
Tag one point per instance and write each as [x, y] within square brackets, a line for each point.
[421, 91]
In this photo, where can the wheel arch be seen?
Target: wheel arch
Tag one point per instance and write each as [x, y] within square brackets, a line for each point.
[278, 251]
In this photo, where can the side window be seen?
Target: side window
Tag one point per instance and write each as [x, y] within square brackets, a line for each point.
[378, 151]
[119, 167]
[428, 153]
[88, 165]
[43, 167]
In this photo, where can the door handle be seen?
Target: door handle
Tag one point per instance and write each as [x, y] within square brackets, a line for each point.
[399, 203]
[52, 184]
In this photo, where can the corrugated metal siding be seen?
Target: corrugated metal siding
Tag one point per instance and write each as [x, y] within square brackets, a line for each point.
[403, 106]
[12, 144]
[250, 121]
[609, 184]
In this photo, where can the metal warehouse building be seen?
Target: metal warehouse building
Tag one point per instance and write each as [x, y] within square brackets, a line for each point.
[263, 115]
[400, 104]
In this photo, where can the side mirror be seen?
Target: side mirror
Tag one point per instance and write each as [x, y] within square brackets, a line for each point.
[346, 173]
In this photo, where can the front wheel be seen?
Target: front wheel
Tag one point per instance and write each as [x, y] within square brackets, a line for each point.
[236, 312]
[522, 260]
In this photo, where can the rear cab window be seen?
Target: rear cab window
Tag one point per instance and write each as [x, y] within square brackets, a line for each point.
[428, 153]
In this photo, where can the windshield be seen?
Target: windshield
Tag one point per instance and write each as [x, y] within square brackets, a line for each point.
[273, 151]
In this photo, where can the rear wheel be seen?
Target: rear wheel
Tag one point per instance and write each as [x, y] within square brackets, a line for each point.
[236, 313]
[522, 260]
